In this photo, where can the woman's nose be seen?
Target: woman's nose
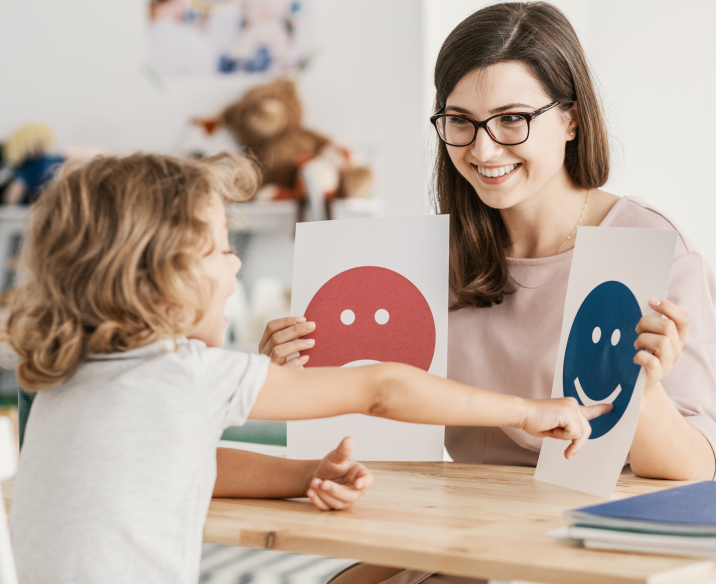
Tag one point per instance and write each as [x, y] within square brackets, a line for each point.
[484, 148]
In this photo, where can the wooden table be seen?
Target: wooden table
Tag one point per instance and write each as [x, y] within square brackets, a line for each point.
[471, 520]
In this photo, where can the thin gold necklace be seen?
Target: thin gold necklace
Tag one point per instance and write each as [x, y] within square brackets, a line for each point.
[576, 225]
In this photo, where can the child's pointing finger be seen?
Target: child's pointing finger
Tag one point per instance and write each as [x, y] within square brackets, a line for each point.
[592, 412]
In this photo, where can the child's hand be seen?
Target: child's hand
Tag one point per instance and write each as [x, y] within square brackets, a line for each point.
[562, 418]
[338, 481]
[282, 338]
[664, 337]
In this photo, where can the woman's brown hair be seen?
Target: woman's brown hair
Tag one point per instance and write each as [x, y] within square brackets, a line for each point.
[110, 243]
[540, 37]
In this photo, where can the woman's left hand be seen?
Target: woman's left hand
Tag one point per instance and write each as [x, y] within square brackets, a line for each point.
[338, 481]
[664, 337]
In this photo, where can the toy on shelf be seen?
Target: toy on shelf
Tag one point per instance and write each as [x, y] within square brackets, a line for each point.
[268, 40]
[297, 163]
[28, 150]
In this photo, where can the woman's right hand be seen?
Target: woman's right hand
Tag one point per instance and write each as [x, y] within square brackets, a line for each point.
[282, 338]
[562, 418]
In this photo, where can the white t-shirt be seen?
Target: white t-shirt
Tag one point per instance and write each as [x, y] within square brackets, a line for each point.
[119, 463]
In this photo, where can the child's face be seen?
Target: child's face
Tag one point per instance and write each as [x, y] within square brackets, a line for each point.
[223, 265]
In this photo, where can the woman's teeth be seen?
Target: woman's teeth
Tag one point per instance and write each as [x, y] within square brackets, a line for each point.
[493, 172]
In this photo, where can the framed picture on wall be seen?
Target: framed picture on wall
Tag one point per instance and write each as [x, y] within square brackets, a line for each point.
[227, 37]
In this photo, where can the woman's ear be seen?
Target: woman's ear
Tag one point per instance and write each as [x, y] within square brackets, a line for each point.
[572, 115]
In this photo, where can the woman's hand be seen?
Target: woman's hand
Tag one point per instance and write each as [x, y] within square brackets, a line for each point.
[664, 337]
[282, 338]
[562, 418]
[338, 482]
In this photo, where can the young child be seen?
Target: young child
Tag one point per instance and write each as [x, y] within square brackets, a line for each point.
[117, 323]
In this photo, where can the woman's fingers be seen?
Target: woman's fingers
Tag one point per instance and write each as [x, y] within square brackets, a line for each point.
[659, 345]
[279, 353]
[658, 325]
[676, 314]
[282, 338]
[663, 327]
[277, 325]
[661, 339]
[652, 367]
[297, 363]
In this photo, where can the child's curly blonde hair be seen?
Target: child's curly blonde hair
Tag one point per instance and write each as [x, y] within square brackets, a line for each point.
[111, 243]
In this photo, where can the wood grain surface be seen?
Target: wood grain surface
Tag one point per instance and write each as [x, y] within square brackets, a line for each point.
[463, 519]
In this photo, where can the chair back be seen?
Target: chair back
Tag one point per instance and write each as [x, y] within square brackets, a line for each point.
[8, 467]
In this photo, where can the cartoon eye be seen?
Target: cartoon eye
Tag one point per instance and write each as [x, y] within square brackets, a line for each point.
[348, 316]
[596, 334]
[616, 335]
[382, 316]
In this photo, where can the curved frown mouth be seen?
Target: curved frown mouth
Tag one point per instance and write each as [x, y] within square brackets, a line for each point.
[587, 401]
[361, 363]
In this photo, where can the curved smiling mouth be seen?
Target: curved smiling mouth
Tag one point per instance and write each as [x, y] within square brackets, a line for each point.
[590, 402]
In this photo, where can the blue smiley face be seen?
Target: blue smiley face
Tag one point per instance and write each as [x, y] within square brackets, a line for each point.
[599, 360]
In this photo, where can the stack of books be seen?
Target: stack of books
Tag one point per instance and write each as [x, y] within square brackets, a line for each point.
[677, 521]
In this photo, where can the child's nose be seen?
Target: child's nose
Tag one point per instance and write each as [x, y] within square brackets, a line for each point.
[238, 264]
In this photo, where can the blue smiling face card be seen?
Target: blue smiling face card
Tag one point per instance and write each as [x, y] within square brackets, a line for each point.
[614, 273]
[600, 350]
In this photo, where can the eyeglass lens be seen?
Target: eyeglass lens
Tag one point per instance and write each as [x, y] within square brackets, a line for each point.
[507, 129]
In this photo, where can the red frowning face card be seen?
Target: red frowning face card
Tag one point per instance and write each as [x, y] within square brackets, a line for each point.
[370, 314]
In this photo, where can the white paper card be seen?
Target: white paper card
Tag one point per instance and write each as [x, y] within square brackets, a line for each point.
[615, 271]
[378, 291]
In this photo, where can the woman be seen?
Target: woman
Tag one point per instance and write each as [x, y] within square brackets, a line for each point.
[522, 153]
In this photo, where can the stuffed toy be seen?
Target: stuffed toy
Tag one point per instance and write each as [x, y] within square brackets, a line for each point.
[28, 150]
[266, 122]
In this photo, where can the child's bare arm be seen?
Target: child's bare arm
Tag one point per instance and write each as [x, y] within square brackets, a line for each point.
[404, 393]
[259, 476]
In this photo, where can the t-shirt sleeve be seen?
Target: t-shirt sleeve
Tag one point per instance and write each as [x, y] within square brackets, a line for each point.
[691, 383]
[230, 381]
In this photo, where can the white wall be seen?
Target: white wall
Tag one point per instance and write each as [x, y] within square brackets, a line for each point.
[655, 63]
[81, 66]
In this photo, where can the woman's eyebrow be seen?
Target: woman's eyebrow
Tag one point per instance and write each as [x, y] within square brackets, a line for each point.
[496, 110]
[509, 106]
[459, 110]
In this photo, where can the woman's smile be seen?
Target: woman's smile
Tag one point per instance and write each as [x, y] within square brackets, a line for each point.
[495, 175]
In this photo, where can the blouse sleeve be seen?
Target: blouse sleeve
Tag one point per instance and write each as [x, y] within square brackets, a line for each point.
[691, 383]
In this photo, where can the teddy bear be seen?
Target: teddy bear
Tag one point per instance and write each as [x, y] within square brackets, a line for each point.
[266, 122]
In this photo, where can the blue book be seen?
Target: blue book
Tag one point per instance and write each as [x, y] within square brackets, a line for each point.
[685, 510]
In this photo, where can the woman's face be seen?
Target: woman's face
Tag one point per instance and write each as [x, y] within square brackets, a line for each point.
[533, 169]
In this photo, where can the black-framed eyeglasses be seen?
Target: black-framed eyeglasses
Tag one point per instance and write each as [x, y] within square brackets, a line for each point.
[507, 129]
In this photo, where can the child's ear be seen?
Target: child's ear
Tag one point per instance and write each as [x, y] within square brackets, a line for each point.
[180, 318]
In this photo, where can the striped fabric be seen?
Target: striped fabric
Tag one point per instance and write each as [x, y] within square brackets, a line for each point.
[223, 564]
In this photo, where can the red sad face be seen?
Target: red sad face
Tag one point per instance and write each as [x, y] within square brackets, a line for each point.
[370, 313]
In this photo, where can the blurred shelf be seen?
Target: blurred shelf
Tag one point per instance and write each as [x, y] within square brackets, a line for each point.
[280, 216]
[12, 217]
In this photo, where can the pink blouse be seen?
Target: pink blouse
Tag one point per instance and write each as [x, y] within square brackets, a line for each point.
[511, 347]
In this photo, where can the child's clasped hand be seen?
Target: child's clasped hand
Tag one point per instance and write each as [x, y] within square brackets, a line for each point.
[338, 482]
